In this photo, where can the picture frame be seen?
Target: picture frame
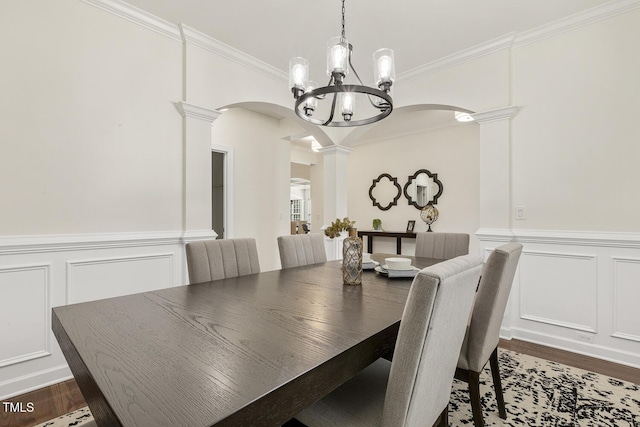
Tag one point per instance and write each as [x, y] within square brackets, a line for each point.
[410, 226]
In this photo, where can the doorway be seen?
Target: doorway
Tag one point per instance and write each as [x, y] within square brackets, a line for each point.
[217, 193]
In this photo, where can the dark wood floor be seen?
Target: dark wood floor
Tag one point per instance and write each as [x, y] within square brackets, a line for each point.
[58, 399]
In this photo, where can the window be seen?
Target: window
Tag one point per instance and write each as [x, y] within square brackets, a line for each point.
[295, 209]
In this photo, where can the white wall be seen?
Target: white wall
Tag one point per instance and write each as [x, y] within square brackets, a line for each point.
[90, 135]
[261, 179]
[451, 152]
[575, 141]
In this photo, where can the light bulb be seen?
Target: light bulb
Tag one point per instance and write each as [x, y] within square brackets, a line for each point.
[347, 103]
[298, 72]
[338, 56]
[384, 67]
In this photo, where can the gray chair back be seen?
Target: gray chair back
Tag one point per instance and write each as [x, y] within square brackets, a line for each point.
[431, 333]
[441, 245]
[483, 333]
[219, 259]
[301, 249]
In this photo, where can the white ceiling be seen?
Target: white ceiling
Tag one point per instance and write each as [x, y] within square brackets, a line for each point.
[419, 31]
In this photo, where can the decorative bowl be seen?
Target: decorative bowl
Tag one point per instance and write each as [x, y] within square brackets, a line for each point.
[398, 263]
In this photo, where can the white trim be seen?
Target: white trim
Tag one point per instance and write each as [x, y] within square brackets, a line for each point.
[229, 175]
[495, 235]
[196, 235]
[335, 149]
[511, 40]
[195, 37]
[34, 381]
[615, 260]
[579, 238]
[475, 52]
[46, 351]
[555, 322]
[70, 242]
[504, 113]
[592, 350]
[72, 265]
[196, 112]
[562, 237]
[577, 20]
[137, 16]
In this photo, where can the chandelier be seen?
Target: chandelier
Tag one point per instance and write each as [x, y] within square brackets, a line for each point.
[318, 105]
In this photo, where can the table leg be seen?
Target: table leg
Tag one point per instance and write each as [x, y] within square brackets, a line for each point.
[370, 244]
[398, 245]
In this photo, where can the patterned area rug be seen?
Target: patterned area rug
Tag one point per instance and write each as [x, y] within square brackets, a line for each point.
[537, 393]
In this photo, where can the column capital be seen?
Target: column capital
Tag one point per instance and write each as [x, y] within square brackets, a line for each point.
[504, 113]
[196, 112]
[335, 149]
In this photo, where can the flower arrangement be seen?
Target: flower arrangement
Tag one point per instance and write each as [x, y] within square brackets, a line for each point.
[338, 226]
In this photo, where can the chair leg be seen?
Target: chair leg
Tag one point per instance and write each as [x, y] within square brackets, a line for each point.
[497, 385]
[474, 394]
[443, 419]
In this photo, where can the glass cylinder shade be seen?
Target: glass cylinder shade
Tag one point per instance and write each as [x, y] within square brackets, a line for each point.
[347, 105]
[352, 259]
[311, 103]
[384, 68]
[337, 56]
[298, 73]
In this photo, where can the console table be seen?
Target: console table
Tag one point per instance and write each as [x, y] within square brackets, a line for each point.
[397, 234]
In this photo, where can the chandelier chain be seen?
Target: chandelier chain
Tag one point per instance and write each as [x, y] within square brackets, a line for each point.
[343, 38]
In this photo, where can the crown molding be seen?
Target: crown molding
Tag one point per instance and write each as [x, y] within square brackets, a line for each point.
[504, 113]
[458, 58]
[196, 112]
[137, 16]
[514, 39]
[195, 37]
[577, 20]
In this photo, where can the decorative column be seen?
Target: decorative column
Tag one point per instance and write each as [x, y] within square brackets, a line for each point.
[495, 192]
[335, 192]
[495, 168]
[196, 207]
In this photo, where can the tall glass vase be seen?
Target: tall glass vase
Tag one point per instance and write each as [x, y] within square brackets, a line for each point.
[352, 259]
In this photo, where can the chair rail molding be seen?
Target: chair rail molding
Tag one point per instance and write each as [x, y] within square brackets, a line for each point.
[72, 242]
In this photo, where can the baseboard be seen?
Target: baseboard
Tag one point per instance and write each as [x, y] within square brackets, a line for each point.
[592, 350]
[34, 381]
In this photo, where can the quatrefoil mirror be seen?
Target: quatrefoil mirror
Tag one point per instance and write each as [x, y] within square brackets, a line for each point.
[423, 188]
[385, 191]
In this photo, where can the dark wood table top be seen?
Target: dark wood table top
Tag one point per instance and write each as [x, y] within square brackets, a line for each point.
[252, 350]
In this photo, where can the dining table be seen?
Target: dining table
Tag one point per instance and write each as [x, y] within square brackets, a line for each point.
[246, 351]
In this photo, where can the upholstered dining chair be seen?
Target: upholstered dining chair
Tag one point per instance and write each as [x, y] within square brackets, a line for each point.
[483, 332]
[415, 388]
[219, 259]
[441, 245]
[301, 249]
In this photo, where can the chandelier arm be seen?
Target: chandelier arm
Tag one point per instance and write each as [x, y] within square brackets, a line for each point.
[373, 104]
[333, 109]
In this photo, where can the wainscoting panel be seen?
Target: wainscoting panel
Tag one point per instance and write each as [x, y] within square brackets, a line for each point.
[25, 306]
[574, 290]
[41, 272]
[547, 293]
[112, 277]
[626, 297]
